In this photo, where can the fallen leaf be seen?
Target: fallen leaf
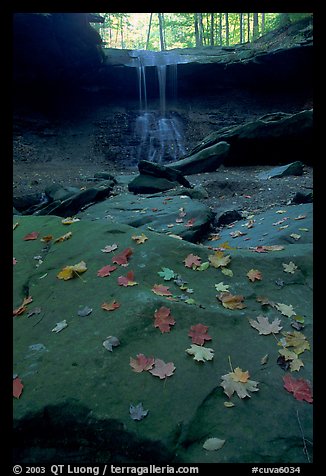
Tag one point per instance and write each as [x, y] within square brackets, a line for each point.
[137, 412]
[62, 238]
[69, 272]
[300, 388]
[109, 248]
[214, 237]
[238, 382]
[300, 217]
[227, 272]
[219, 260]
[190, 222]
[280, 211]
[141, 363]
[198, 334]
[297, 340]
[264, 327]
[17, 387]
[31, 236]
[161, 290]
[14, 261]
[123, 257]
[286, 310]
[289, 267]
[161, 369]
[213, 444]
[295, 236]
[203, 266]
[22, 308]
[110, 306]
[163, 319]
[139, 239]
[85, 311]
[265, 301]
[60, 326]
[230, 301]
[192, 261]
[254, 274]
[264, 359]
[228, 404]
[69, 220]
[14, 226]
[111, 342]
[46, 239]
[166, 274]
[106, 270]
[221, 287]
[237, 233]
[127, 280]
[200, 353]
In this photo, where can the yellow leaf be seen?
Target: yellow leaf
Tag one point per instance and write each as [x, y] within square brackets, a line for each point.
[70, 272]
[63, 237]
[239, 376]
[69, 220]
[14, 226]
[139, 239]
[228, 404]
[218, 260]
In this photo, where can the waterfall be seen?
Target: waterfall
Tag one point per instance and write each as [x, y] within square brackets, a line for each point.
[158, 133]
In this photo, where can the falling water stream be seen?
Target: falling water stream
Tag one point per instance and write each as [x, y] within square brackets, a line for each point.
[159, 132]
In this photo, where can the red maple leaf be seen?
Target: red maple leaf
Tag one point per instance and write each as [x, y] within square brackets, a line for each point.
[141, 362]
[192, 261]
[161, 290]
[161, 369]
[163, 319]
[198, 334]
[300, 388]
[106, 270]
[190, 222]
[122, 258]
[17, 387]
[127, 280]
[31, 236]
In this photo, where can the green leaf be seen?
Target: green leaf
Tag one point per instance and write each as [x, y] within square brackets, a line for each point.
[166, 274]
[203, 266]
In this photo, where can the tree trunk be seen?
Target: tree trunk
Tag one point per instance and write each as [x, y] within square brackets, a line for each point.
[220, 29]
[255, 26]
[227, 34]
[241, 27]
[200, 28]
[262, 23]
[160, 21]
[212, 30]
[149, 30]
[248, 27]
[196, 29]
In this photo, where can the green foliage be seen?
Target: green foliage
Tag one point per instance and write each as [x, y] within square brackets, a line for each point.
[130, 30]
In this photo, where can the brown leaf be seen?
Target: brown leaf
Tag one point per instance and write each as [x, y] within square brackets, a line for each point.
[230, 301]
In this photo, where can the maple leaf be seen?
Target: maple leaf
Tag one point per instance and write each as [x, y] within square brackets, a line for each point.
[62, 238]
[166, 274]
[60, 326]
[297, 340]
[31, 236]
[221, 287]
[85, 311]
[230, 301]
[137, 412]
[300, 388]
[200, 353]
[111, 342]
[161, 290]
[289, 355]
[141, 363]
[190, 222]
[163, 319]
[127, 280]
[295, 236]
[264, 327]
[139, 239]
[109, 248]
[198, 334]
[286, 310]
[22, 308]
[110, 306]
[161, 369]
[46, 239]
[122, 258]
[192, 261]
[258, 249]
[14, 261]
[69, 272]
[289, 267]
[17, 387]
[238, 381]
[265, 301]
[254, 274]
[106, 270]
[219, 260]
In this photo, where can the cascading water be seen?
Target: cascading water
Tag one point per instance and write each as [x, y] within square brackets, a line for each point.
[159, 133]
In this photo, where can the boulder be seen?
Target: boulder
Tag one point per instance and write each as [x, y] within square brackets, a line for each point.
[295, 168]
[75, 386]
[59, 192]
[271, 139]
[173, 214]
[27, 201]
[205, 160]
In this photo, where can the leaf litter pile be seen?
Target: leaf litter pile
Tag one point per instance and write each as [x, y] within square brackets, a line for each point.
[172, 290]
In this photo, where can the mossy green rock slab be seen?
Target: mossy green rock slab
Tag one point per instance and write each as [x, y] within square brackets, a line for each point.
[77, 394]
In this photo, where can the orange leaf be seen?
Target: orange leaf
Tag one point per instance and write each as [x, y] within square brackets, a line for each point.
[161, 290]
[110, 306]
[141, 362]
[230, 301]
[254, 275]
[31, 236]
